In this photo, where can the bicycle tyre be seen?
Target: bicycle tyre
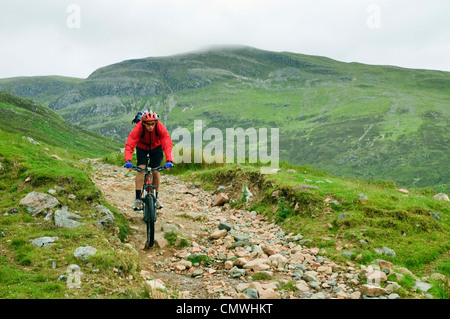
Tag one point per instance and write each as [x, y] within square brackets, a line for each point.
[149, 218]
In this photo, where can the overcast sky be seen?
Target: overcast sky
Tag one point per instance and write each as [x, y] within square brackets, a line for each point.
[75, 37]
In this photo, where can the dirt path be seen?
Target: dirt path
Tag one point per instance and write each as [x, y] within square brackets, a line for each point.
[184, 206]
[253, 256]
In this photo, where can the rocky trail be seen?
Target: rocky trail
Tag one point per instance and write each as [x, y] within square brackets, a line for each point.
[231, 253]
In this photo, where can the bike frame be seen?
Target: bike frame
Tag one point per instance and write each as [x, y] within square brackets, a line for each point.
[148, 188]
[148, 196]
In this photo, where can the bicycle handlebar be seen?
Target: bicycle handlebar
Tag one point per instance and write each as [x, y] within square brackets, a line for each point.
[140, 169]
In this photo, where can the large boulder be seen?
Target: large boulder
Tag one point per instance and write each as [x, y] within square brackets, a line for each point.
[35, 202]
[66, 219]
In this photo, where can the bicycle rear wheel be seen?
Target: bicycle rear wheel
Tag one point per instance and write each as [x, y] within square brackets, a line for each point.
[149, 218]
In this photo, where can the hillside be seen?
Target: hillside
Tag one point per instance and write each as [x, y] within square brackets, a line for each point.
[66, 219]
[351, 119]
[43, 89]
[45, 188]
[27, 118]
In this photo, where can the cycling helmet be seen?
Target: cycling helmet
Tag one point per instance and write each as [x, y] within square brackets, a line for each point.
[149, 116]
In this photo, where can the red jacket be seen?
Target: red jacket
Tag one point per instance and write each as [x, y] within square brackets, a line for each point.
[135, 139]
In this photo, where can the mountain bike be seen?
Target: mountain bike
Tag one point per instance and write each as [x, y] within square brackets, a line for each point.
[148, 196]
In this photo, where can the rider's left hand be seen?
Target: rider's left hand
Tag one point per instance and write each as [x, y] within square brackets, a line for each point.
[168, 165]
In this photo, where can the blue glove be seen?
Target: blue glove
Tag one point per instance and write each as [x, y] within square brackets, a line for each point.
[129, 165]
[168, 165]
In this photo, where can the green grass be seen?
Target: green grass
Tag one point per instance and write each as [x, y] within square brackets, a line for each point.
[176, 240]
[26, 118]
[30, 272]
[28, 167]
[199, 258]
[19, 284]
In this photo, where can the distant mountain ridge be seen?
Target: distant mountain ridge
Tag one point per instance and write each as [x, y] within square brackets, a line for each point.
[377, 122]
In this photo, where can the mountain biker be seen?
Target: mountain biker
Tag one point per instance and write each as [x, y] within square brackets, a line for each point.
[149, 136]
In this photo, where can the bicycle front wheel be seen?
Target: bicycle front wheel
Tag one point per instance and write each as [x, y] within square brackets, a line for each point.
[149, 218]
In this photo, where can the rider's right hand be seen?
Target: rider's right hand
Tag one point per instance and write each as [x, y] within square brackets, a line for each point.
[129, 165]
[168, 165]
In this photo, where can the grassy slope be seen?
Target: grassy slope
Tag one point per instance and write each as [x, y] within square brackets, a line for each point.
[27, 271]
[388, 218]
[26, 118]
[385, 124]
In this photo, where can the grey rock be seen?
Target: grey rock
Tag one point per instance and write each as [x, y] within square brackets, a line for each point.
[44, 241]
[170, 228]
[394, 296]
[85, 252]
[35, 202]
[308, 277]
[347, 254]
[224, 225]
[319, 295]
[363, 197]
[441, 196]
[295, 238]
[103, 210]
[48, 217]
[423, 286]
[257, 249]
[221, 256]
[378, 251]
[242, 243]
[236, 272]
[252, 293]
[240, 237]
[388, 251]
[66, 219]
[314, 284]
[297, 275]
[336, 289]
[220, 188]
[301, 267]
[197, 273]
[30, 140]
[246, 194]
[436, 216]
[108, 220]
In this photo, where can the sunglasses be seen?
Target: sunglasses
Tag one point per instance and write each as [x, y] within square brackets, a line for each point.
[149, 123]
